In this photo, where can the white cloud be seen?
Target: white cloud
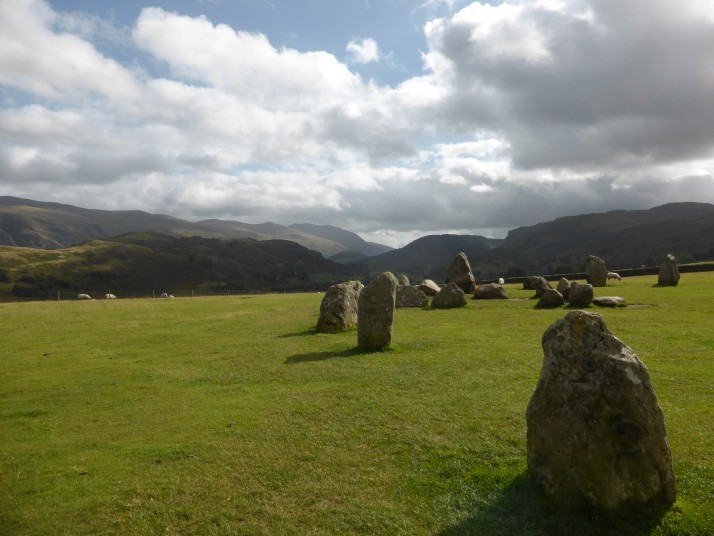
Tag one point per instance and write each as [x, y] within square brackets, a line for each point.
[363, 51]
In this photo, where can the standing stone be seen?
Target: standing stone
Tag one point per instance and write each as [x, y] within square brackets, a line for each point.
[449, 297]
[596, 271]
[410, 297]
[459, 272]
[490, 291]
[403, 280]
[376, 313]
[580, 295]
[550, 299]
[428, 287]
[595, 432]
[668, 272]
[563, 287]
[338, 310]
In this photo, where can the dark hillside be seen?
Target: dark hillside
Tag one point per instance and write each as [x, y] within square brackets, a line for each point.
[350, 240]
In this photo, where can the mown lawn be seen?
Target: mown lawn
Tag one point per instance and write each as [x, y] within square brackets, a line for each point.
[228, 415]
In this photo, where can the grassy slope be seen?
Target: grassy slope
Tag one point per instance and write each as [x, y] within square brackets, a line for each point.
[229, 416]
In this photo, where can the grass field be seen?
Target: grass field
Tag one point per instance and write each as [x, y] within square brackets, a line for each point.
[228, 415]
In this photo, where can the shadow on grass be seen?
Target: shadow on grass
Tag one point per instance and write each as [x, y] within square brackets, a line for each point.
[303, 333]
[523, 509]
[322, 356]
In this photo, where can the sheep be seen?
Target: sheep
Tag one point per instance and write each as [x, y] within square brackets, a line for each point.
[110, 296]
[84, 297]
[501, 281]
[164, 295]
[613, 275]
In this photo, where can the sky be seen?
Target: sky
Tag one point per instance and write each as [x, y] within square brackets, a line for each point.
[391, 118]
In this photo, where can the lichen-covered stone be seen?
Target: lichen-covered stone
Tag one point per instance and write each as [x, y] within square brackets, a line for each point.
[595, 432]
[668, 272]
[580, 295]
[410, 297]
[449, 297]
[338, 310]
[490, 291]
[376, 313]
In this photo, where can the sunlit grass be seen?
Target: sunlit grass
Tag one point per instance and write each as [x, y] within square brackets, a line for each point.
[231, 416]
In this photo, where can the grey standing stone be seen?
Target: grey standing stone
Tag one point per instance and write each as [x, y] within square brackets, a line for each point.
[595, 432]
[449, 297]
[428, 287]
[550, 299]
[376, 313]
[490, 291]
[668, 272]
[459, 272]
[403, 280]
[410, 297]
[580, 295]
[338, 310]
[596, 271]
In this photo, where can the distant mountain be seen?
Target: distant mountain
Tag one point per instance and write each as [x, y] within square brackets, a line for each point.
[427, 257]
[622, 238]
[136, 264]
[341, 236]
[43, 225]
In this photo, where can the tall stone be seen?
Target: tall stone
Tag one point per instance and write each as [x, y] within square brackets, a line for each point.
[338, 310]
[449, 297]
[563, 287]
[668, 272]
[459, 272]
[595, 432]
[376, 313]
[596, 271]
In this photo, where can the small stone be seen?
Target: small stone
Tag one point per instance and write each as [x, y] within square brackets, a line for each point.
[410, 297]
[609, 301]
[550, 299]
[490, 291]
[449, 297]
[580, 295]
[428, 287]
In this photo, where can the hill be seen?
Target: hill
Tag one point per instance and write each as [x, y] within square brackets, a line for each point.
[622, 238]
[138, 264]
[427, 257]
[43, 225]
[352, 241]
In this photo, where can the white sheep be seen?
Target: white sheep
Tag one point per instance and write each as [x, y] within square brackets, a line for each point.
[164, 295]
[613, 275]
[110, 296]
[501, 281]
[84, 297]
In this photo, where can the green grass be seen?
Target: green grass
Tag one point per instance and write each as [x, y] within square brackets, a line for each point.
[228, 415]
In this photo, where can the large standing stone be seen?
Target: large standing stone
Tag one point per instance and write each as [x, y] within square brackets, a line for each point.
[403, 280]
[596, 271]
[338, 310]
[596, 434]
[449, 297]
[550, 299]
[490, 291]
[428, 287]
[580, 295]
[668, 272]
[376, 313]
[459, 272]
[410, 297]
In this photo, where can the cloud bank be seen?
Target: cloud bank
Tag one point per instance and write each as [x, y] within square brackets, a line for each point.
[524, 111]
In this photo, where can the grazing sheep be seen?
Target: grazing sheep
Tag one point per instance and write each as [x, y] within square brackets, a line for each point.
[84, 297]
[613, 275]
[501, 281]
[110, 296]
[164, 295]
